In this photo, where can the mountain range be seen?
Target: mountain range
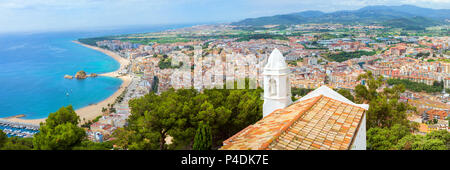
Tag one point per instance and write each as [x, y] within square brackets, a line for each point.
[404, 16]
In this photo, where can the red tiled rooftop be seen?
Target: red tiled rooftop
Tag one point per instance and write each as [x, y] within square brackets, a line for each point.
[316, 123]
[440, 113]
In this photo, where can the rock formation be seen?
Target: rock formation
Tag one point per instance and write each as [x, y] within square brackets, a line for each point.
[68, 76]
[81, 75]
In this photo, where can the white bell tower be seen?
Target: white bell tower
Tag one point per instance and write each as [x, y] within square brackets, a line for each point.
[277, 88]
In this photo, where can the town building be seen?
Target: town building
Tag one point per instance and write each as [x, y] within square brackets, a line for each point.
[435, 114]
[323, 119]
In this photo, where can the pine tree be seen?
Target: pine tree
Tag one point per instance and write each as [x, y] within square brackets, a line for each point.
[203, 137]
[60, 131]
[155, 84]
[3, 138]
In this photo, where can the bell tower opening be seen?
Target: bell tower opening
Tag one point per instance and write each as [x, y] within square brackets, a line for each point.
[273, 87]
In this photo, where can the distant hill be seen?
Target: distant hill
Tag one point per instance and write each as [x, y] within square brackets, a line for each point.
[404, 16]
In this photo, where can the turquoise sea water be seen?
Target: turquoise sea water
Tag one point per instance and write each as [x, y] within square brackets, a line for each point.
[32, 69]
[32, 75]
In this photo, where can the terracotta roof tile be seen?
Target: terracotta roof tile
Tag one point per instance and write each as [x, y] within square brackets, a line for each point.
[316, 123]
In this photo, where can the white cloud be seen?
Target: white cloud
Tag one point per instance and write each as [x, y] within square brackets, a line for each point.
[59, 14]
[432, 1]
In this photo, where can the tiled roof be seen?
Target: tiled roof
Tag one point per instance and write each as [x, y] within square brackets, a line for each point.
[442, 114]
[315, 123]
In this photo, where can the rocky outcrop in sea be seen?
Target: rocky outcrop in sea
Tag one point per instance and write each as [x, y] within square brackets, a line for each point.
[68, 76]
[80, 75]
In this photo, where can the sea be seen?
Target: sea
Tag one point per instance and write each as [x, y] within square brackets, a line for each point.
[33, 65]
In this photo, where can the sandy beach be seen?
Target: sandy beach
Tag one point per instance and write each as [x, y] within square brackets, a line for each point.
[92, 111]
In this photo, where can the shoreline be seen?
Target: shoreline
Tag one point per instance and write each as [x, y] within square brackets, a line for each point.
[89, 112]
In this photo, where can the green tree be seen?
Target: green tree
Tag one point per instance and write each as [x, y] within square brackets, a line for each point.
[385, 109]
[3, 138]
[385, 138]
[155, 84]
[121, 138]
[407, 142]
[442, 135]
[343, 56]
[418, 87]
[385, 112]
[203, 137]
[299, 92]
[378, 139]
[89, 145]
[415, 126]
[157, 116]
[16, 143]
[431, 144]
[362, 94]
[435, 140]
[175, 115]
[387, 126]
[368, 92]
[346, 94]
[63, 115]
[60, 131]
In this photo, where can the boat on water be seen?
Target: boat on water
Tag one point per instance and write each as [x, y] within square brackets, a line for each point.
[12, 129]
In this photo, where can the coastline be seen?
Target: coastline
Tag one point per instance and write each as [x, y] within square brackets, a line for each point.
[90, 112]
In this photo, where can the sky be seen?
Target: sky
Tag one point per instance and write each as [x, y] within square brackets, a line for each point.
[49, 15]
